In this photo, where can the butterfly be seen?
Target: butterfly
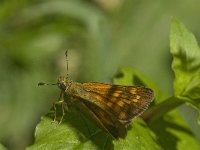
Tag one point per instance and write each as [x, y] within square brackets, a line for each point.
[112, 107]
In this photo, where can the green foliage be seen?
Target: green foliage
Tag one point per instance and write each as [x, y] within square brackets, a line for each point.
[139, 137]
[186, 64]
[2, 147]
[73, 133]
[167, 129]
[101, 37]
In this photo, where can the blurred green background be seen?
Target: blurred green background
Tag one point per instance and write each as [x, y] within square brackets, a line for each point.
[101, 36]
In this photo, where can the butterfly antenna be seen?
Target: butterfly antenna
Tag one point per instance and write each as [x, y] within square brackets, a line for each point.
[42, 83]
[66, 54]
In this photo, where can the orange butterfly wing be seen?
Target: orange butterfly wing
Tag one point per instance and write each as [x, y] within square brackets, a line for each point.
[124, 102]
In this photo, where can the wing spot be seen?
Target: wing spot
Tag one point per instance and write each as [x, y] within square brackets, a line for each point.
[120, 103]
[116, 94]
[135, 100]
[133, 91]
[138, 97]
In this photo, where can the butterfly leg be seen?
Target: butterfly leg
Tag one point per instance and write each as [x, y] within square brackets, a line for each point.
[63, 111]
[60, 101]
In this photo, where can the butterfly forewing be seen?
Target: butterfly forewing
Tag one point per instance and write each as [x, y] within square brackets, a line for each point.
[122, 102]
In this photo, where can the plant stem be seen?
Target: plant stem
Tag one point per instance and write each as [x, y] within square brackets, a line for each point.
[158, 110]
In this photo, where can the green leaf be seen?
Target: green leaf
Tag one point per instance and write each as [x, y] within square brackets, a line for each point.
[192, 91]
[186, 63]
[50, 135]
[2, 147]
[73, 133]
[173, 133]
[139, 137]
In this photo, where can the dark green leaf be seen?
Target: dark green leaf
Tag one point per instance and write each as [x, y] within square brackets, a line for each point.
[173, 133]
[139, 137]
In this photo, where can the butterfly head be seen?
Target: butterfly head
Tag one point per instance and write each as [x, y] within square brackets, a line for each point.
[63, 83]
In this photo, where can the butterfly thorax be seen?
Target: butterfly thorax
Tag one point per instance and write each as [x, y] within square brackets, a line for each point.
[64, 83]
